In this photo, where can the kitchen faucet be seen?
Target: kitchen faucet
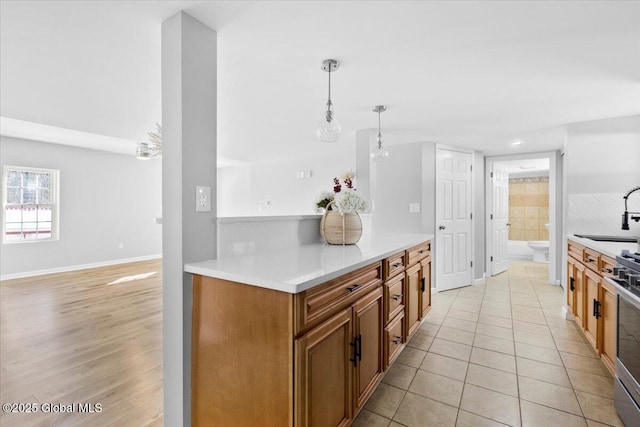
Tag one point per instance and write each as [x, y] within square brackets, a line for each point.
[625, 215]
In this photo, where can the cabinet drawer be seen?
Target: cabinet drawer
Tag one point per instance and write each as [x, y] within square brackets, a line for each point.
[394, 264]
[393, 297]
[393, 339]
[316, 304]
[591, 259]
[418, 253]
[606, 266]
[575, 250]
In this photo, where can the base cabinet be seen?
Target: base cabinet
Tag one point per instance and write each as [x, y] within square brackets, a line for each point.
[311, 359]
[592, 300]
[321, 399]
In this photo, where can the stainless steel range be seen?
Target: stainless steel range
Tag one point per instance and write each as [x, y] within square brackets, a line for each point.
[627, 381]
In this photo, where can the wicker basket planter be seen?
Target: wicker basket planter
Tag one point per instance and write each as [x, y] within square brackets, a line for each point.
[340, 229]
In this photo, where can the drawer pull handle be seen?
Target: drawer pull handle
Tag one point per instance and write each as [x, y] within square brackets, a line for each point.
[353, 288]
[421, 251]
[397, 340]
[590, 260]
[397, 297]
[607, 270]
[396, 265]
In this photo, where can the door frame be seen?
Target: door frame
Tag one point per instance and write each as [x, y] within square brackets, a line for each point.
[555, 205]
[434, 262]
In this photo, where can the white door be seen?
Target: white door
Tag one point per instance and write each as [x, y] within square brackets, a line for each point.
[453, 219]
[499, 219]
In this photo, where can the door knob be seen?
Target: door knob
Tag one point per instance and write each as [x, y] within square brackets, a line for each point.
[508, 224]
[442, 227]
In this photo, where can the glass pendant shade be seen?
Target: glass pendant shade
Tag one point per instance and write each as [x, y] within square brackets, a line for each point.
[379, 154]
[142, 151]
[328, 128]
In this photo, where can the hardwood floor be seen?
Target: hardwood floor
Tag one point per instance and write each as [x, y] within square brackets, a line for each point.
[88, 336]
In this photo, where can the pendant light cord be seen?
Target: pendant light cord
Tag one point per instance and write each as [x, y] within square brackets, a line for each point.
[379, 134]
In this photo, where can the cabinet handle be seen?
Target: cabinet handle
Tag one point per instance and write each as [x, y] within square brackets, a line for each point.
[607, 270]
[596, 308]
[396, 265]
[590, 260]
[354, 359]
[397, 297]
[571, 284]
[422, 285]
[397, 340]
[353, 288]
[359, 347]
[421, 251]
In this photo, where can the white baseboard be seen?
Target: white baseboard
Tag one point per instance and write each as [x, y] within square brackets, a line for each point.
[481, 280]
[77, 267]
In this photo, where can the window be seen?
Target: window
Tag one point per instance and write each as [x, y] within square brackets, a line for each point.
[30, 204]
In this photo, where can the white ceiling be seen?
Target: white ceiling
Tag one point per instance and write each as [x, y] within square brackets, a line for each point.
[475, 74]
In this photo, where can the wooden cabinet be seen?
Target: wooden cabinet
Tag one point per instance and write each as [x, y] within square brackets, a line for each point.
[575, 272]
[368, 354]
[322, 399]
[418, 287]
[592, 300]
[413, 293]
[425, 286]
[271, 358]
[591, 321]
[608, 312]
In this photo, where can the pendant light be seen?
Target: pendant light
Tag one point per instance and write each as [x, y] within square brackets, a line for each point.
[379, 154]
[329, 127]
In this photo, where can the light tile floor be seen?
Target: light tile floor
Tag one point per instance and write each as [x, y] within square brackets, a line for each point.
[492, 355]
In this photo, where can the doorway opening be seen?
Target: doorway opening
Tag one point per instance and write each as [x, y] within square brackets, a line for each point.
[523, 219]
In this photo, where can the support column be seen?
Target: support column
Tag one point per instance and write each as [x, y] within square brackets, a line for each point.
[188, 159]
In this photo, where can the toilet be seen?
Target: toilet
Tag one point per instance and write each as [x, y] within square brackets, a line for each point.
[540, 249]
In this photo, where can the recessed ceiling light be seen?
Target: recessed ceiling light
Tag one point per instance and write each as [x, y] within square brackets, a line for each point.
[516, 142]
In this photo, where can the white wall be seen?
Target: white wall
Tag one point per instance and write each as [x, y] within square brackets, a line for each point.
[399, 183]
[601, 164]
[105, 199]
[272, 188]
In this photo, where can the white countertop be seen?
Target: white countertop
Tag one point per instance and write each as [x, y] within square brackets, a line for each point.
[299, 268]
[611, 249]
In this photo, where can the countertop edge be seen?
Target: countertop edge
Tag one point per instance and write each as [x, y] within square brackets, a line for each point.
[202, 269]
[602, 247]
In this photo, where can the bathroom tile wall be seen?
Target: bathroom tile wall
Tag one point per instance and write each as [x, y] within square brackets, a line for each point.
[528, 208]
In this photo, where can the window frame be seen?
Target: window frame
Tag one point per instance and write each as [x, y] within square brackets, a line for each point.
[54, 202]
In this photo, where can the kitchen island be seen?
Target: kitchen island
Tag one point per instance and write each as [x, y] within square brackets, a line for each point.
[303, 335]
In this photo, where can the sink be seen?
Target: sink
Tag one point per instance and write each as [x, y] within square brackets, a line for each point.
[600, 238]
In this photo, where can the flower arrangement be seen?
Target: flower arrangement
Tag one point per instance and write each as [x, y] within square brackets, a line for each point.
[345, 200]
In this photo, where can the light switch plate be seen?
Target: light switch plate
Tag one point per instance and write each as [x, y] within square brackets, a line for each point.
[203, 199]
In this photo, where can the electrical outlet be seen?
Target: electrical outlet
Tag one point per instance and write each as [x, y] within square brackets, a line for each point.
[203, 199]
[414, 207]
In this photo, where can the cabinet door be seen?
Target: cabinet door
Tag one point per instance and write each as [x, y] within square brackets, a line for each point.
[608, 312]
[571, 285]
[368, 318]
[412, 303]
[580, 302]
[592, 294]
[323, 390]
[425, 286]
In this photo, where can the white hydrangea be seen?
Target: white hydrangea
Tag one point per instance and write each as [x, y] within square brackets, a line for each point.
[349, 200]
